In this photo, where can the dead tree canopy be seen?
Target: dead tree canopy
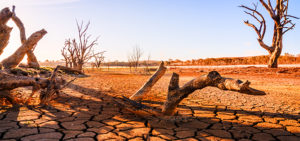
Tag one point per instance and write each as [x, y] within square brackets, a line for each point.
[282, 24]
[176, 94]
[79, 51]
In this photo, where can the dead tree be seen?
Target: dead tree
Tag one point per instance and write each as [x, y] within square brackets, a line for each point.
[98, 59]
[130, 62]
[81, 50]
[176, 94]
[282, 24]
[13, 60]
[136, 55]
[147, 64]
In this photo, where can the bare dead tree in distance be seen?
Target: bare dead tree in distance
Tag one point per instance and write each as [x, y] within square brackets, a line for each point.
[282, 24]
[130, 62]
[98, 59]
[136, 56]
[85, 47]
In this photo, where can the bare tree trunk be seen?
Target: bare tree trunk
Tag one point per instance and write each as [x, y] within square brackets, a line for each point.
[273, 59]
[13, 60]
[79, 66]
[5, 15]
[150, 83]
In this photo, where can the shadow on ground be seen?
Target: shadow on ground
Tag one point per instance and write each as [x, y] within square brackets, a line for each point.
[88, 114]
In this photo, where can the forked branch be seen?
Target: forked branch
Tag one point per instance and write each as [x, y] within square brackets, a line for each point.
[176, 94]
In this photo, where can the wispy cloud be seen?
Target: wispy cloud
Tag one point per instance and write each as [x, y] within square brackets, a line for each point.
[36, 2]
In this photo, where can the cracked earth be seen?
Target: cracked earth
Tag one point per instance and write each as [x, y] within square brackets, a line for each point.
[86, 111]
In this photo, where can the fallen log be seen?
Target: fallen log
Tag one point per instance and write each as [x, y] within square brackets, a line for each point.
[70, 70]
[13, 60]
[150, 83]
[9, 82]
[176, 94]
[49, 87]
[213, 78]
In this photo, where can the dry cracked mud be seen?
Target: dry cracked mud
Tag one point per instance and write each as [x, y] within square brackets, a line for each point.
[86, 111]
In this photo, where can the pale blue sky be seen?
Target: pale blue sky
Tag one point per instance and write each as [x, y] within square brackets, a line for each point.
[177, 29]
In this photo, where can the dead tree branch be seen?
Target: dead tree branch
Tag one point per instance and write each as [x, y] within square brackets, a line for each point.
[150, 83]
[176, 94]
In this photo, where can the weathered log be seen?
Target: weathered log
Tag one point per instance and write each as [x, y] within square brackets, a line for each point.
[49, 87]
[213, 78]
[176, 94]
[70, 70]
[9, 82]
[5, 15]
[150, 83]
[53, 88]
[13, 60]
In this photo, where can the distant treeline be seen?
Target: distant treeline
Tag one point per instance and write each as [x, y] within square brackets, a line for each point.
[253, 60]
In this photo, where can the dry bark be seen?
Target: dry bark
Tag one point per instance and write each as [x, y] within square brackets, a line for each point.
[176, 94]
[149, 84]
[5, 15]
[13, 60]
